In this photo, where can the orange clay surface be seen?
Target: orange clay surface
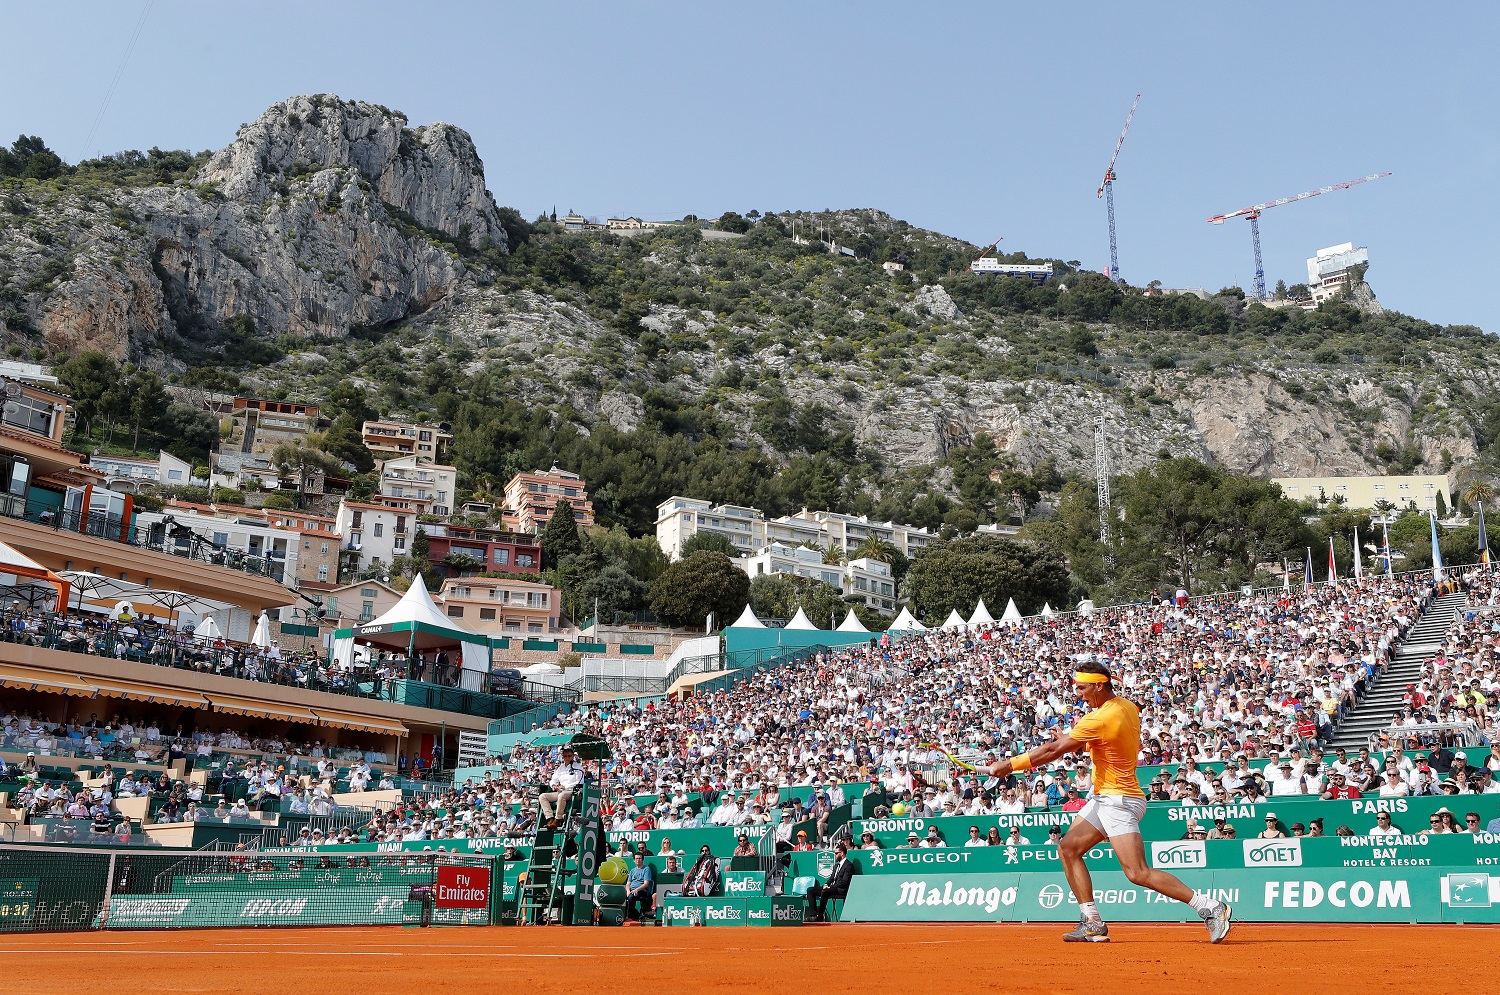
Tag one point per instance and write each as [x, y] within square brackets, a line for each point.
[820, 960]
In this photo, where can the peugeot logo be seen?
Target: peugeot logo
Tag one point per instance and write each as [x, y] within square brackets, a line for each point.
[1050, 897]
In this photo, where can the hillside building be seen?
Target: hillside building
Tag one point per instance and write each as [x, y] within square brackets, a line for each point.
[394, 439]
[532, 497]
[426, 488]
[371, 533]
[679, 518]
[1335, 269]
[259, 426]
[132, 473]
[501, 606]
[1417, 491]
[864, 579]
[496, 549]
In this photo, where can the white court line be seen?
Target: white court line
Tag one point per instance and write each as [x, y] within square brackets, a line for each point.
[354, 953]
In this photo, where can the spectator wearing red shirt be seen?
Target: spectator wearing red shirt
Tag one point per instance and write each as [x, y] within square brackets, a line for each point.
[1074, 802]
[1337, 788]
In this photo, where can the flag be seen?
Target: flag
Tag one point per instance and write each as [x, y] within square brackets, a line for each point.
[1359, 570]
[1286, 575]
[1389, 569]
[1484, 540]
[1309, 581]
[1437, 553]
[1333, 569]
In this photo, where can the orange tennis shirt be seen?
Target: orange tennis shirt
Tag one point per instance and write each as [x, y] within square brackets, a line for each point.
[1112, 733]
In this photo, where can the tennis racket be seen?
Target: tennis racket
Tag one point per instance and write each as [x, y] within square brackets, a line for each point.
[955, 761]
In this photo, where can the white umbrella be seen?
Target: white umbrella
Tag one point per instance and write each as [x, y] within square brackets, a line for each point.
[88, 584]
[173, 601]
[262, 635]
[208, 629]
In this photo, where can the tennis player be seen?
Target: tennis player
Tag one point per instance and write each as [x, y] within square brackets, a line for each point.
[1111, 733]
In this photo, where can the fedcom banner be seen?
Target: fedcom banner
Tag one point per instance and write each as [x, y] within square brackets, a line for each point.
[1280, 894]
[330, 907]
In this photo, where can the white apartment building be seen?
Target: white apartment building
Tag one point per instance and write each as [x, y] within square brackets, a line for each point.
[678, 519]
[130, 473]
[848, 531]
[371, 532]
[235, 538]
[868, 580]
[420, 486]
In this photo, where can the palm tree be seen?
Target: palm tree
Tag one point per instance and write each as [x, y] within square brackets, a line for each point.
[1479, 493]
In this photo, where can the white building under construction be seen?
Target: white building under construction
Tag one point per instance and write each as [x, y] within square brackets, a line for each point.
[1334, 269]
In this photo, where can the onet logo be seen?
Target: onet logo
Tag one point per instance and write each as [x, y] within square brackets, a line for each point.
[1050, 897]
[1185, 853]
[1273, 853]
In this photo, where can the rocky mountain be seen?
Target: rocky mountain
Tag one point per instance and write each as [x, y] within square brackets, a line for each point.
[331, 242]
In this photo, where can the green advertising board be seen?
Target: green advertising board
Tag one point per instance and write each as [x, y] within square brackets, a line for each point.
[317, 907]
[720, 839]
[704, 911]
[743, 884]
[1273, 895]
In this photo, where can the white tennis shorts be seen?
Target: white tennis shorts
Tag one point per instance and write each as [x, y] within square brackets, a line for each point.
[1114, 815]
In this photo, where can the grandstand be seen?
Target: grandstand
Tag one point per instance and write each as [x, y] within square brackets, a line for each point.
[243, 790]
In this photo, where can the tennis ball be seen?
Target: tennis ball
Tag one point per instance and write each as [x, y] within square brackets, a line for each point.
[898, 809]
[613, 871]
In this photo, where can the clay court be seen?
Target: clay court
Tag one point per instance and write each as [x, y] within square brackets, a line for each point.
[1255, 960]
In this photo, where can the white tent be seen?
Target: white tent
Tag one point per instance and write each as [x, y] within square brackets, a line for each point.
[851, 623]
[800, 621]
[1012, 614]
[981, 615]
[747, 620]
[537, 669]
[1047, 609]
[954, 620]
[208, 629]
[416, 623]
[262, 635]
[1085, 608]
[907, 622]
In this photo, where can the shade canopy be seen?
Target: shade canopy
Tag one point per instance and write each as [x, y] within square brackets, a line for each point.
[800, 621]
[851, 623]
[1012, 613]
[954, 620]
[93, 585]
[1047, 609]
[981, 615]
[747, 620]
[416, 623]
[907, 622]
[19, 570]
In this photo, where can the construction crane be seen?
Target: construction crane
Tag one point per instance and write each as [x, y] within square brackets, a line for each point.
[1107, 191]
[990, 248]
[1253, 213]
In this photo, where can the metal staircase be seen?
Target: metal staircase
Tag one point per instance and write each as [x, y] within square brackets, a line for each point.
[1420, 644]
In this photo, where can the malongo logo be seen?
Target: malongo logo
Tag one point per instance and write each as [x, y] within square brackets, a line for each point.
[918, 893]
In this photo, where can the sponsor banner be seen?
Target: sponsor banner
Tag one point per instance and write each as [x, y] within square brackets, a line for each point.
[342, 877]
[327, 907]
[969, 859]
[744, 884]
[1176, 854]
[1277, 894]
[774, 911]
[720, 839]
[462, 888]
[1166, 821]
[705, 911]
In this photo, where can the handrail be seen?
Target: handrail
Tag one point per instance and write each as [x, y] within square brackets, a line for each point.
[1469, 728]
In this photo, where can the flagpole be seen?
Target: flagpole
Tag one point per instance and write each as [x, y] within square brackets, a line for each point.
[1359, 573]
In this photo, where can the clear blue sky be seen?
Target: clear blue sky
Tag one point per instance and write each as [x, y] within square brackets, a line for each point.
[978, 120]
